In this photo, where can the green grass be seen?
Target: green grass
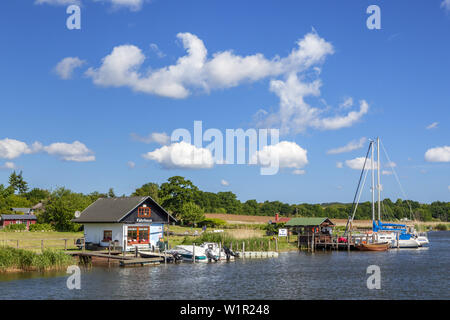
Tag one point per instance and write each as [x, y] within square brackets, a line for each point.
[12, 259]
[32, 240]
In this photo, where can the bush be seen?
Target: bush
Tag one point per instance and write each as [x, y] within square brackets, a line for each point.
[442, 227]
[272, 228]
[41, 227]
[212, 223]
[15, 227]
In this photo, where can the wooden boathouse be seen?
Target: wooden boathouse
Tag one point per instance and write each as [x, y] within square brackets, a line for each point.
[317, 233]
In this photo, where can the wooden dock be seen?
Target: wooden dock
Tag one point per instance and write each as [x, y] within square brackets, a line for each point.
[124, 260]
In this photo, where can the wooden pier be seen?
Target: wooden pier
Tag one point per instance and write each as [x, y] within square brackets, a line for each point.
[125, 260]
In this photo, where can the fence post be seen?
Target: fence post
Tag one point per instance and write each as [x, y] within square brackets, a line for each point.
[42, 245]
[65, 244]
[17, 244]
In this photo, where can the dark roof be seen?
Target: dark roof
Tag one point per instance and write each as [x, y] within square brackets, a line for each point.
[307, 221]
[18, 217]
[113, 209]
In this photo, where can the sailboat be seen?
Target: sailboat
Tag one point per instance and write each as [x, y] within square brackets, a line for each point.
[396, 235]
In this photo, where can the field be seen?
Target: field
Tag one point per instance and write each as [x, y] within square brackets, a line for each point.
[33, 240]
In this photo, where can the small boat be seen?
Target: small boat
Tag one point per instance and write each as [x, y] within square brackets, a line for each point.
[206, 252]
[380, 246]
[187, 252]
[422, 239]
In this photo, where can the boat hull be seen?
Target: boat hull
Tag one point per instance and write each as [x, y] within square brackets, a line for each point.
[373, 246]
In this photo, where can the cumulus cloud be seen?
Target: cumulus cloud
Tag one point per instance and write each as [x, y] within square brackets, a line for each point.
[347, 103]
[11, 148]
[352, 145]
[159, 137]
[196, 71]
[358, 163]
[289, 155]
[154, 47]
[296, 115]
[433, 125]
[76, 151]
[8, 165]
[224, 183]
[133, 5]
[58, 2]
[438, 154]
[182, 155]
[66, 67]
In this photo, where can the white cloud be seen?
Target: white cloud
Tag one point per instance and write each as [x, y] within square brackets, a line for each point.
[11, 148]
[433, 125]
[289, 154]
[391, 164]
[58, 2]
[196, 71]
[154, 47]
[445, 4]
[182, 155]
[438, 154]
[159, 137]
[298, 172]
[224, 182]
[386, 172]
[296, 115]
[8, 165]
[75, 151]
[339, 165]
[348, 103]
[131, 164]
[358, 163]
[352, 145]
[67, 65]
[133, 5]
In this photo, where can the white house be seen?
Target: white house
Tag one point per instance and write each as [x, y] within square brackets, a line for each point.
[133, 221]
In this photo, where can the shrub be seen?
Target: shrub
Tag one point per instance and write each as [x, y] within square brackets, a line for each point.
[29, 260]
[442, 227]
[212, 223]
[41, 227]
[15, 227]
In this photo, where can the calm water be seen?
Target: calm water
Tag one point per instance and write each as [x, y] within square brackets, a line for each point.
[405, 274]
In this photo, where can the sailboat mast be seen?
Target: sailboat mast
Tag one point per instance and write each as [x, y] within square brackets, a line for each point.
[379, 179]
[373, 185]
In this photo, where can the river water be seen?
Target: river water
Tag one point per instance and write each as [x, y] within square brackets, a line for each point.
[405, 274]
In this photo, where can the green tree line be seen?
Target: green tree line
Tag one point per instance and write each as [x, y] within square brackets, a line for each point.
[188, 203]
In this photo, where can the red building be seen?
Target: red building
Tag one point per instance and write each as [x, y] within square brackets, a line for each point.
[27, 219]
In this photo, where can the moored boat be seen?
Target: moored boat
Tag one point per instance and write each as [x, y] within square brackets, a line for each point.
[381, 246]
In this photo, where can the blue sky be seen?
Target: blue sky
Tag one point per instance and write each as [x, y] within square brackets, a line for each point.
[400, 71]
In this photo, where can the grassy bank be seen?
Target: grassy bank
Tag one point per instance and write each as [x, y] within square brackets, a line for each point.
[33, 240]
[12, 259]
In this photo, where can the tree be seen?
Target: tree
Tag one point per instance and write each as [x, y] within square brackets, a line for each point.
[149, 189]
[177, 191]
[191, 214]
[17, 182]
[111, 193]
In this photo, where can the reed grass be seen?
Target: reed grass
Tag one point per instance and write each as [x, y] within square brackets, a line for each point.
[25, 260]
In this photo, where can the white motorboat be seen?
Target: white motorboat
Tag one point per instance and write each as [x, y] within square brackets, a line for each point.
[422, 239]
[206, 252]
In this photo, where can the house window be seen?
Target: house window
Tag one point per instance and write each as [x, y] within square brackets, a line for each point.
[138, 235]
[107, 235]
[144, 212]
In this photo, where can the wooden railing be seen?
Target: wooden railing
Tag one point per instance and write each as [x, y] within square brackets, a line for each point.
[39, 243]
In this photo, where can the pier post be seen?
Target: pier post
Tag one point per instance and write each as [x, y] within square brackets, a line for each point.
[193, 252]
[243, 249]
[313, 242]
[398, 244]
[124, 247]
[276, 244]
[220, 248]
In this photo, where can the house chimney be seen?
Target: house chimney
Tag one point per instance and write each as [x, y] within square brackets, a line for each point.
[276, 217]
